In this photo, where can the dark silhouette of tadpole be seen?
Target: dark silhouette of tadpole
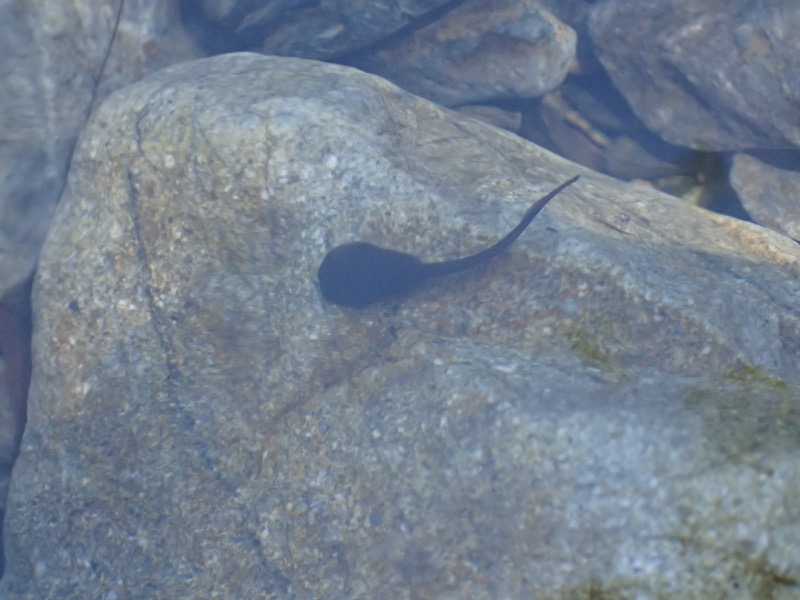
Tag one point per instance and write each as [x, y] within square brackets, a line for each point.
[359, 274]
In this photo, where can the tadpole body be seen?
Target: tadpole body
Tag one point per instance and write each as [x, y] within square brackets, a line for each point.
[358, 274]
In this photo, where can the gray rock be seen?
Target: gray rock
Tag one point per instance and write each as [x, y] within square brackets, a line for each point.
[480, 51]
[611, 407]
[703, 74]
[56, 65]
[324, 29]
[770, 194]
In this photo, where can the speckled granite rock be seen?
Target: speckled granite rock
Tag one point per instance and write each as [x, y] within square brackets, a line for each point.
[706, 74]
[611, 408]
[770, 194]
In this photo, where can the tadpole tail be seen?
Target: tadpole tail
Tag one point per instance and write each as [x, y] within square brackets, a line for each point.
[460, 264]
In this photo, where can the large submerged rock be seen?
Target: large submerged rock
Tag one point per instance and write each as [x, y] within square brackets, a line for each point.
[611, 407]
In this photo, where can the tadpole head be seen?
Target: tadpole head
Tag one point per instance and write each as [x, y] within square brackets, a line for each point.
[359, 274]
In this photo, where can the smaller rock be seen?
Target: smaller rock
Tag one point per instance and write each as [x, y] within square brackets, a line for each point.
[770, 194]
[480, 51]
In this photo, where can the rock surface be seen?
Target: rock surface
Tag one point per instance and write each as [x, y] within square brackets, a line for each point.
[610, 408]
[770, 194]
[705, 74]
[479, 52]
[58, 61]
